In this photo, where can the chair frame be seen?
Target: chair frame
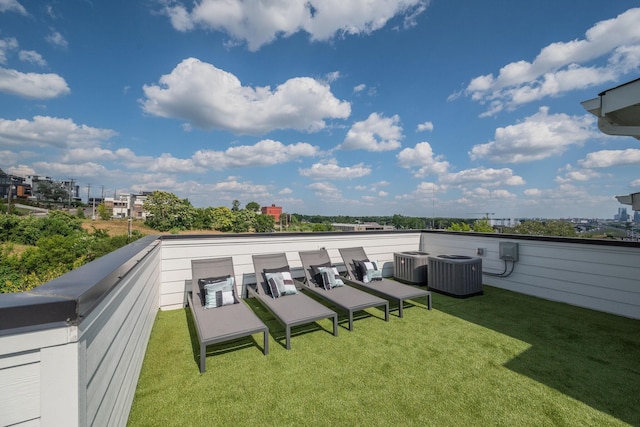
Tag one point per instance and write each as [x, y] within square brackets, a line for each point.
[220, 324]
[289, 310]
[386, 288]
[347, 298]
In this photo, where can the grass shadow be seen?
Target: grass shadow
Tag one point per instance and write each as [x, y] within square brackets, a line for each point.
[277, 330]
[343, 315]
[585, 354]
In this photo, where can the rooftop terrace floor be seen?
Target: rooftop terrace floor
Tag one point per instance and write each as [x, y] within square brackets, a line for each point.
[502, 358]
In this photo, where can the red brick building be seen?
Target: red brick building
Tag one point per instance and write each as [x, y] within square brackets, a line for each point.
[273, 210]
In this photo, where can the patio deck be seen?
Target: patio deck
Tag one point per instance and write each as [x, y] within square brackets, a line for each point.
[503, 358]
[72, 349]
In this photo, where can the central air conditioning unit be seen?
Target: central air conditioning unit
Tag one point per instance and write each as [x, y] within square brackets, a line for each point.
[411, 267]
[455, 275]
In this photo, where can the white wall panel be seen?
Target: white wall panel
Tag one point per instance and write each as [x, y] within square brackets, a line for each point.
[19, 389]
[178, 253]
[597, 276]
[113, 335]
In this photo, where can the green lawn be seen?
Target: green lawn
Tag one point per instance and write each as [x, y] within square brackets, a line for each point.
[498, 359]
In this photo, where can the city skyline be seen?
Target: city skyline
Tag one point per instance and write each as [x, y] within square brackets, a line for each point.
[412, 107]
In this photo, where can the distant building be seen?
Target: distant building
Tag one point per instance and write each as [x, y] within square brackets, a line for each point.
[69, 186]
[636, 216]
[365, 226]
[273, 210]
[15, 184]
[622, 215]
[127, 205]
[504, 222]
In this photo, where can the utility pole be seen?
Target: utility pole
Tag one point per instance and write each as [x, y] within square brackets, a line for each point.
[93, 212]
[9, 194]
[69, 190]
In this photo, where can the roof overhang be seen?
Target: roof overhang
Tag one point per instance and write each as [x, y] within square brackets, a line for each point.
[617, 109]
[631, 199]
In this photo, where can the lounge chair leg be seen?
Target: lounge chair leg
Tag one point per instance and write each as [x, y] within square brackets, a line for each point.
[335, 325]
[429, 300]
[203, 358]
[288, 332]
[350, 320]
[386, 312]
[266, 342]
[401, 314]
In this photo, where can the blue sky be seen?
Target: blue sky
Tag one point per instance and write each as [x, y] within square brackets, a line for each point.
[365, 107]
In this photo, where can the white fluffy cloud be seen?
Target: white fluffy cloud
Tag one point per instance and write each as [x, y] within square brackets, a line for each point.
[260, 23]
[326, 191]
[81, 155]
[610, 158]
[28, 85]
[424, 191]
[32, 85]
[578, 175]
[423, 160]
[264, 153]
[165, 163]
[233, 186]
[32, 57]
[376, 133]
[12, 6]
[331, 170]
[486, 177]
[57, 39]
[45, 131]
[565, 196]
[7, 45]
[485, 194]
[564, 66]
[209, 98]
[89, 169]
[424, 126]
[539, 136]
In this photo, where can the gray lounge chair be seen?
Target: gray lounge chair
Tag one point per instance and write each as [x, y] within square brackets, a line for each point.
[226, 323]
[289, 310]
[386, 288]
[345, 297]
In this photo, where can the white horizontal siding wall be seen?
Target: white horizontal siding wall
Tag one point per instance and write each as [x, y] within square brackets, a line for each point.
[87, 374]
[39, 378]
[600, 277]
[114, 340]
[178, 253]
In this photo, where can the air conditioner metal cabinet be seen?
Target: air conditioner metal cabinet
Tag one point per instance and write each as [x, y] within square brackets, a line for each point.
[455, 275]
[411, 267]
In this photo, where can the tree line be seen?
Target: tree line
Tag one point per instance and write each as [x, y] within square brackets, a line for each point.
[167, 212]
[35, 250]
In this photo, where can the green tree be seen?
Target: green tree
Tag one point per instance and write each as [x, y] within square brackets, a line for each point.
[459, 226]
[253, 206]
[243, 221]
[544, 228]
[165, 211]
[52, 191]
[483, 226]
[103, 212]
[235, 205]
[222, 218]
[264, 223]
[326, 226]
